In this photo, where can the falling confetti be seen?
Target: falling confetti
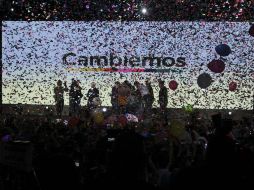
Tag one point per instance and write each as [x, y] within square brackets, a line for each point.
[33, 59]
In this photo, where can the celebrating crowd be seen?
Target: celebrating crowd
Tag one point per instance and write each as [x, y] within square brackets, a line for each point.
[133, 145]
[149, 154]
[125, 97]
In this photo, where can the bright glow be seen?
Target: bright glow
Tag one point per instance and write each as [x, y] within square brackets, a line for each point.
[230, 113]
[46, 43]
[144, 10]
[104, 109]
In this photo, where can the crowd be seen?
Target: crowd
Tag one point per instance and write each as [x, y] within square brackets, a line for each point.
[149, 150]
[149, 154]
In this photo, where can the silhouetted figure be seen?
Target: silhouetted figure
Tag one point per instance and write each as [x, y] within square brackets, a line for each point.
[114, 97]
[92, 93]
[163, 99]
[75, 98]
[151, 95]
[221, 154]
[123, 94]
[128, 163]
[59, 96]
[144, 94]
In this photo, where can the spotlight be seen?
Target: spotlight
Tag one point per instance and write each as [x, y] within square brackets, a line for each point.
[104, 109]
[47, 107]
[230, 113]
[144, 10]
[12, 9]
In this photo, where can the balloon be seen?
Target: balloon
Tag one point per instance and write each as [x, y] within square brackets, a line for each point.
[251, 31]
[98, 118]
[111, 119]
[6, 138]
[173, 85]
[122, 120]
[73, 121]
[223, 49]
[232, 86]
[176, 129]
[216, 66]
[131, 117]
[204, 80]
[188, 108]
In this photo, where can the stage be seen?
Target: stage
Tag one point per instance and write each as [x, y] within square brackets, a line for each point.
[29, 110]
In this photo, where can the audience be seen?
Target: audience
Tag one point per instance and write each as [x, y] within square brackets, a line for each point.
[137, 155]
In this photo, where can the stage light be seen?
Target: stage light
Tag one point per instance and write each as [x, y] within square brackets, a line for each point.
[144, 10]
[47, 107]
[12, 9]
[230, 113]
[104, 109]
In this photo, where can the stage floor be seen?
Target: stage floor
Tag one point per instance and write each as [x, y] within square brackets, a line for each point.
[46, 110]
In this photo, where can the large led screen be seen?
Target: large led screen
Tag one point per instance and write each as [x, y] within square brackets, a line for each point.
[206, 64]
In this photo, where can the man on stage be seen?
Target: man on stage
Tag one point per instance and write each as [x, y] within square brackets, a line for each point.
[75, 98]
[163, 98]
[59, 96]
[114, 97]
[144, 93]
[92, 93]
[151, 96]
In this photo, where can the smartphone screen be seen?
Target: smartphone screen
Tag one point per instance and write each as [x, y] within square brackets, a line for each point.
[111, 139]
[76, 163]
[65, 122]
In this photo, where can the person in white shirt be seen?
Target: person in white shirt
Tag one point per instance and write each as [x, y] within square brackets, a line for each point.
[144, 93]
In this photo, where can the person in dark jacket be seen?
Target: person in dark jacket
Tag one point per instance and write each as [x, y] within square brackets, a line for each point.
[59, 96]
[75, 98]
[163, 96]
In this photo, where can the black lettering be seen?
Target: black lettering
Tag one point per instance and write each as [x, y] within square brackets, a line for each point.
[168, 61]
[98, 60]
[125, 61]
[180, 62]
[134, 60]
[83, 60]
[151, 61]
[65, 58]
[112, 58]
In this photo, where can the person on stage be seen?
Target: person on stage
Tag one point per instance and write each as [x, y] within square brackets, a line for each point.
[151, 96]
[144, 94]
[71, 97]
[75, 98]
[163, 96]
[123, 94]
[92, 93]
[59, 97]
[78, 96]
[114, 97]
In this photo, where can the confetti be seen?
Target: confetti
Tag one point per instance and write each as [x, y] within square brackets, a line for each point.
[32, 57]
